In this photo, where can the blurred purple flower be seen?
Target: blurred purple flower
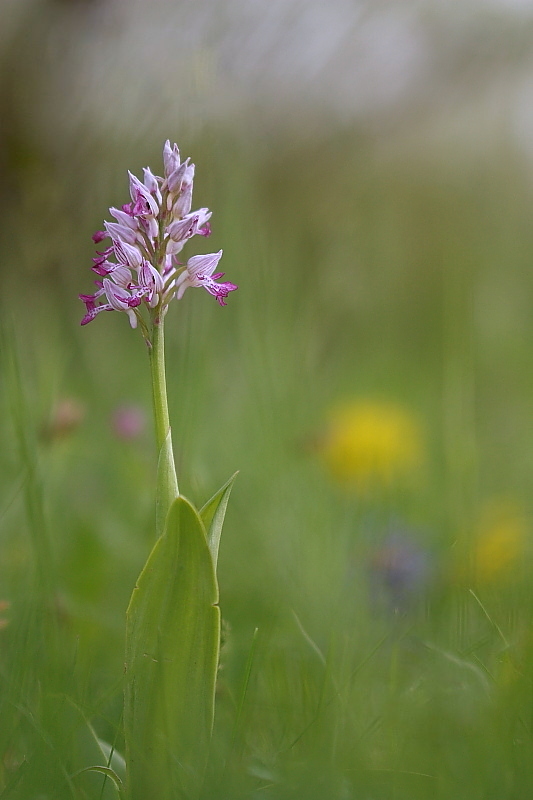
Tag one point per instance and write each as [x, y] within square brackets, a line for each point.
[399, 570]
[128, 422]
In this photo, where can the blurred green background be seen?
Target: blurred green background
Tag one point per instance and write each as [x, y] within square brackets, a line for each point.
[369, 169]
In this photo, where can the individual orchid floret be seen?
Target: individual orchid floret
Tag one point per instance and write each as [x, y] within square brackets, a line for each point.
[152, 184]
[151, 283]
[124, 218]
[128, 254]
[120, 233]
[144, 204]
[183, 204]
[171, 158]
[199, 272]
[182, 229]
[139, 269]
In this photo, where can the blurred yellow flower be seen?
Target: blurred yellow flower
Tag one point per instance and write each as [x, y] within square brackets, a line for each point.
[501, 540]
[370, 444]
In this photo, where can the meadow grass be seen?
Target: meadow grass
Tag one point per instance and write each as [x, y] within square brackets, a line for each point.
[363, 276]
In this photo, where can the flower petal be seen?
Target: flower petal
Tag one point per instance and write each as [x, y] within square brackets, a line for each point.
[202, 265]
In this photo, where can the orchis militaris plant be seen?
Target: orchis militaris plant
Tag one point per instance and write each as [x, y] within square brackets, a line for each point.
[173, 619]
[139, 271]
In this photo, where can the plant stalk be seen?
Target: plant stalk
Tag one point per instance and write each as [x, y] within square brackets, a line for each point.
[167, 482]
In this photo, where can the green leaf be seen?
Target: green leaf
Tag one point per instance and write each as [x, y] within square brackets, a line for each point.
[167, 484]
[213, 514]
[114, 759]
[172, 644]
[107, 771]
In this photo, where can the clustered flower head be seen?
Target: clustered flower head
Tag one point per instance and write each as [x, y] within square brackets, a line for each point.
[140, 265]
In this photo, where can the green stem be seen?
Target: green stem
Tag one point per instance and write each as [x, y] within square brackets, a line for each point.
[167, 483]
[159, 383]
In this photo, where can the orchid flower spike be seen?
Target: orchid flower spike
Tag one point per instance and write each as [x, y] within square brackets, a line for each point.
[139, 267]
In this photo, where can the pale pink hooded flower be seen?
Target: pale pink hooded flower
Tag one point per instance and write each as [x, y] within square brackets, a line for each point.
[199, 272]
